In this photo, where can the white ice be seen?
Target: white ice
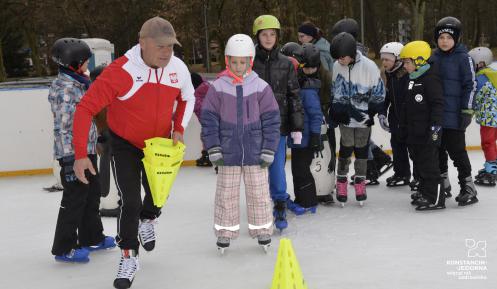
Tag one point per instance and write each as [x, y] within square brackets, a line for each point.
[385, 244]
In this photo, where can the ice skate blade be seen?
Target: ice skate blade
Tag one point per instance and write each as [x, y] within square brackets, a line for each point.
[361, 203]
[221, 250]
[342, 204]
[429, 208]
[485, 184]
[265, 248]
[392, 185]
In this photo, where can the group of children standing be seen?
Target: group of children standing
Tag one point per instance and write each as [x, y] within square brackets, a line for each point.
[425, 100]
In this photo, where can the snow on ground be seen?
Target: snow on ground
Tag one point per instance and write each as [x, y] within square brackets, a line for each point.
[385, 244]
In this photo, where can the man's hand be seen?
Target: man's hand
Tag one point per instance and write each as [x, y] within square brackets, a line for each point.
[80, 166]
[177, 137]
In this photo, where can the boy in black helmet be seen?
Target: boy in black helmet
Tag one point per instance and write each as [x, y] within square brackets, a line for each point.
[79, 228]
[458, 77]
[359, 94]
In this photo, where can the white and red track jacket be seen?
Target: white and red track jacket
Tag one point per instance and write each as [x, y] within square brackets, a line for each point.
[140, 100]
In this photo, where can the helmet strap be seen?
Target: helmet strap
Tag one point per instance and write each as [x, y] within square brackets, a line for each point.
[236, 78]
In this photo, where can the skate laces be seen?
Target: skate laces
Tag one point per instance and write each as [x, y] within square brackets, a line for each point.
[147, 230]
[360, 188]
[223, 240]
[127, 268]
[341, 188]
[490, 167]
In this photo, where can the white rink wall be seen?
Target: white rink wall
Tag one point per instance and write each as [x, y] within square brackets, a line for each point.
[27, 131]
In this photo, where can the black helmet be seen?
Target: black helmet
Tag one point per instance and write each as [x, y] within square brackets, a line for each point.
[70, 52]
[344, 44]
[311, 55]
[97, 71]
[294, 50]
[449, 25]
[348, 25]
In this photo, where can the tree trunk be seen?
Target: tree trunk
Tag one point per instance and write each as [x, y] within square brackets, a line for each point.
[3, 73]
[370, 21]
[418, 12]
[33, 45]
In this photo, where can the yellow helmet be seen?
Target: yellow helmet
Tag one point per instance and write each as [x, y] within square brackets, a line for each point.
[265, 22]
[419, 51]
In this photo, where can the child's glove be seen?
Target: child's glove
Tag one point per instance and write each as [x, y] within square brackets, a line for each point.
[216, 156]
[316, 144]
[436, 135]
[465, 118]
[67, 168]
[297, 137]
[384, 122]
[267, 158]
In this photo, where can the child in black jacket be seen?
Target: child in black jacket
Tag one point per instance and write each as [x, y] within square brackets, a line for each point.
[422, 120]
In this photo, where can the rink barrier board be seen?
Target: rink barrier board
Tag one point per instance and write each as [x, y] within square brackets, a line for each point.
[186, 163]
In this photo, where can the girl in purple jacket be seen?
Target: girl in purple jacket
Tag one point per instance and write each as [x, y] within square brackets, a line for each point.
[240, 131]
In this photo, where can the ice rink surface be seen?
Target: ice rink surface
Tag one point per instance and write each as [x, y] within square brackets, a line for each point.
[386, 244]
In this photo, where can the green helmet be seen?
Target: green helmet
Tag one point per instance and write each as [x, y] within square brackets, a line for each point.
[265, 22]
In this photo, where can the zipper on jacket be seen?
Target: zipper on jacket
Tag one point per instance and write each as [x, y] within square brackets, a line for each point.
[156, 102]
[393, 100]
[240, 98]
[268, 75]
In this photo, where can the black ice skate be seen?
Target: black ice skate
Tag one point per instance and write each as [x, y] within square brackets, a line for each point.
[264, 241]
[326, 200]
[488, 175]
[485, 179]
[414, 184]
[426, 205]
[415, 197]
[467, 195]
[222, 244]
[397, 181]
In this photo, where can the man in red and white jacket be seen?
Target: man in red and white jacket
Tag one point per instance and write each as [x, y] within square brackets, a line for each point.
[148, 93]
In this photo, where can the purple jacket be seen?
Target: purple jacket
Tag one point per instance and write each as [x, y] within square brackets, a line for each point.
[241, 119]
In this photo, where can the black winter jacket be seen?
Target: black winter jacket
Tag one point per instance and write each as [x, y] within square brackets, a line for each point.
[277, 70]
[396, 89]
[423, 107]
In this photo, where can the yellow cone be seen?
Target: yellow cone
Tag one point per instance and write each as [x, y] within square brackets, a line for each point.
[162, 161]
[287, 273]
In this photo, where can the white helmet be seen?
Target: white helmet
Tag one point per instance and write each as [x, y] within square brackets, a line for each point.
[481, 54]
[392, 48]
[240, 45]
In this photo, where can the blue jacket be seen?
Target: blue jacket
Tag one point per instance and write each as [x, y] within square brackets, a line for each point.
[313, 116]
[457, 72]
[241, 119]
